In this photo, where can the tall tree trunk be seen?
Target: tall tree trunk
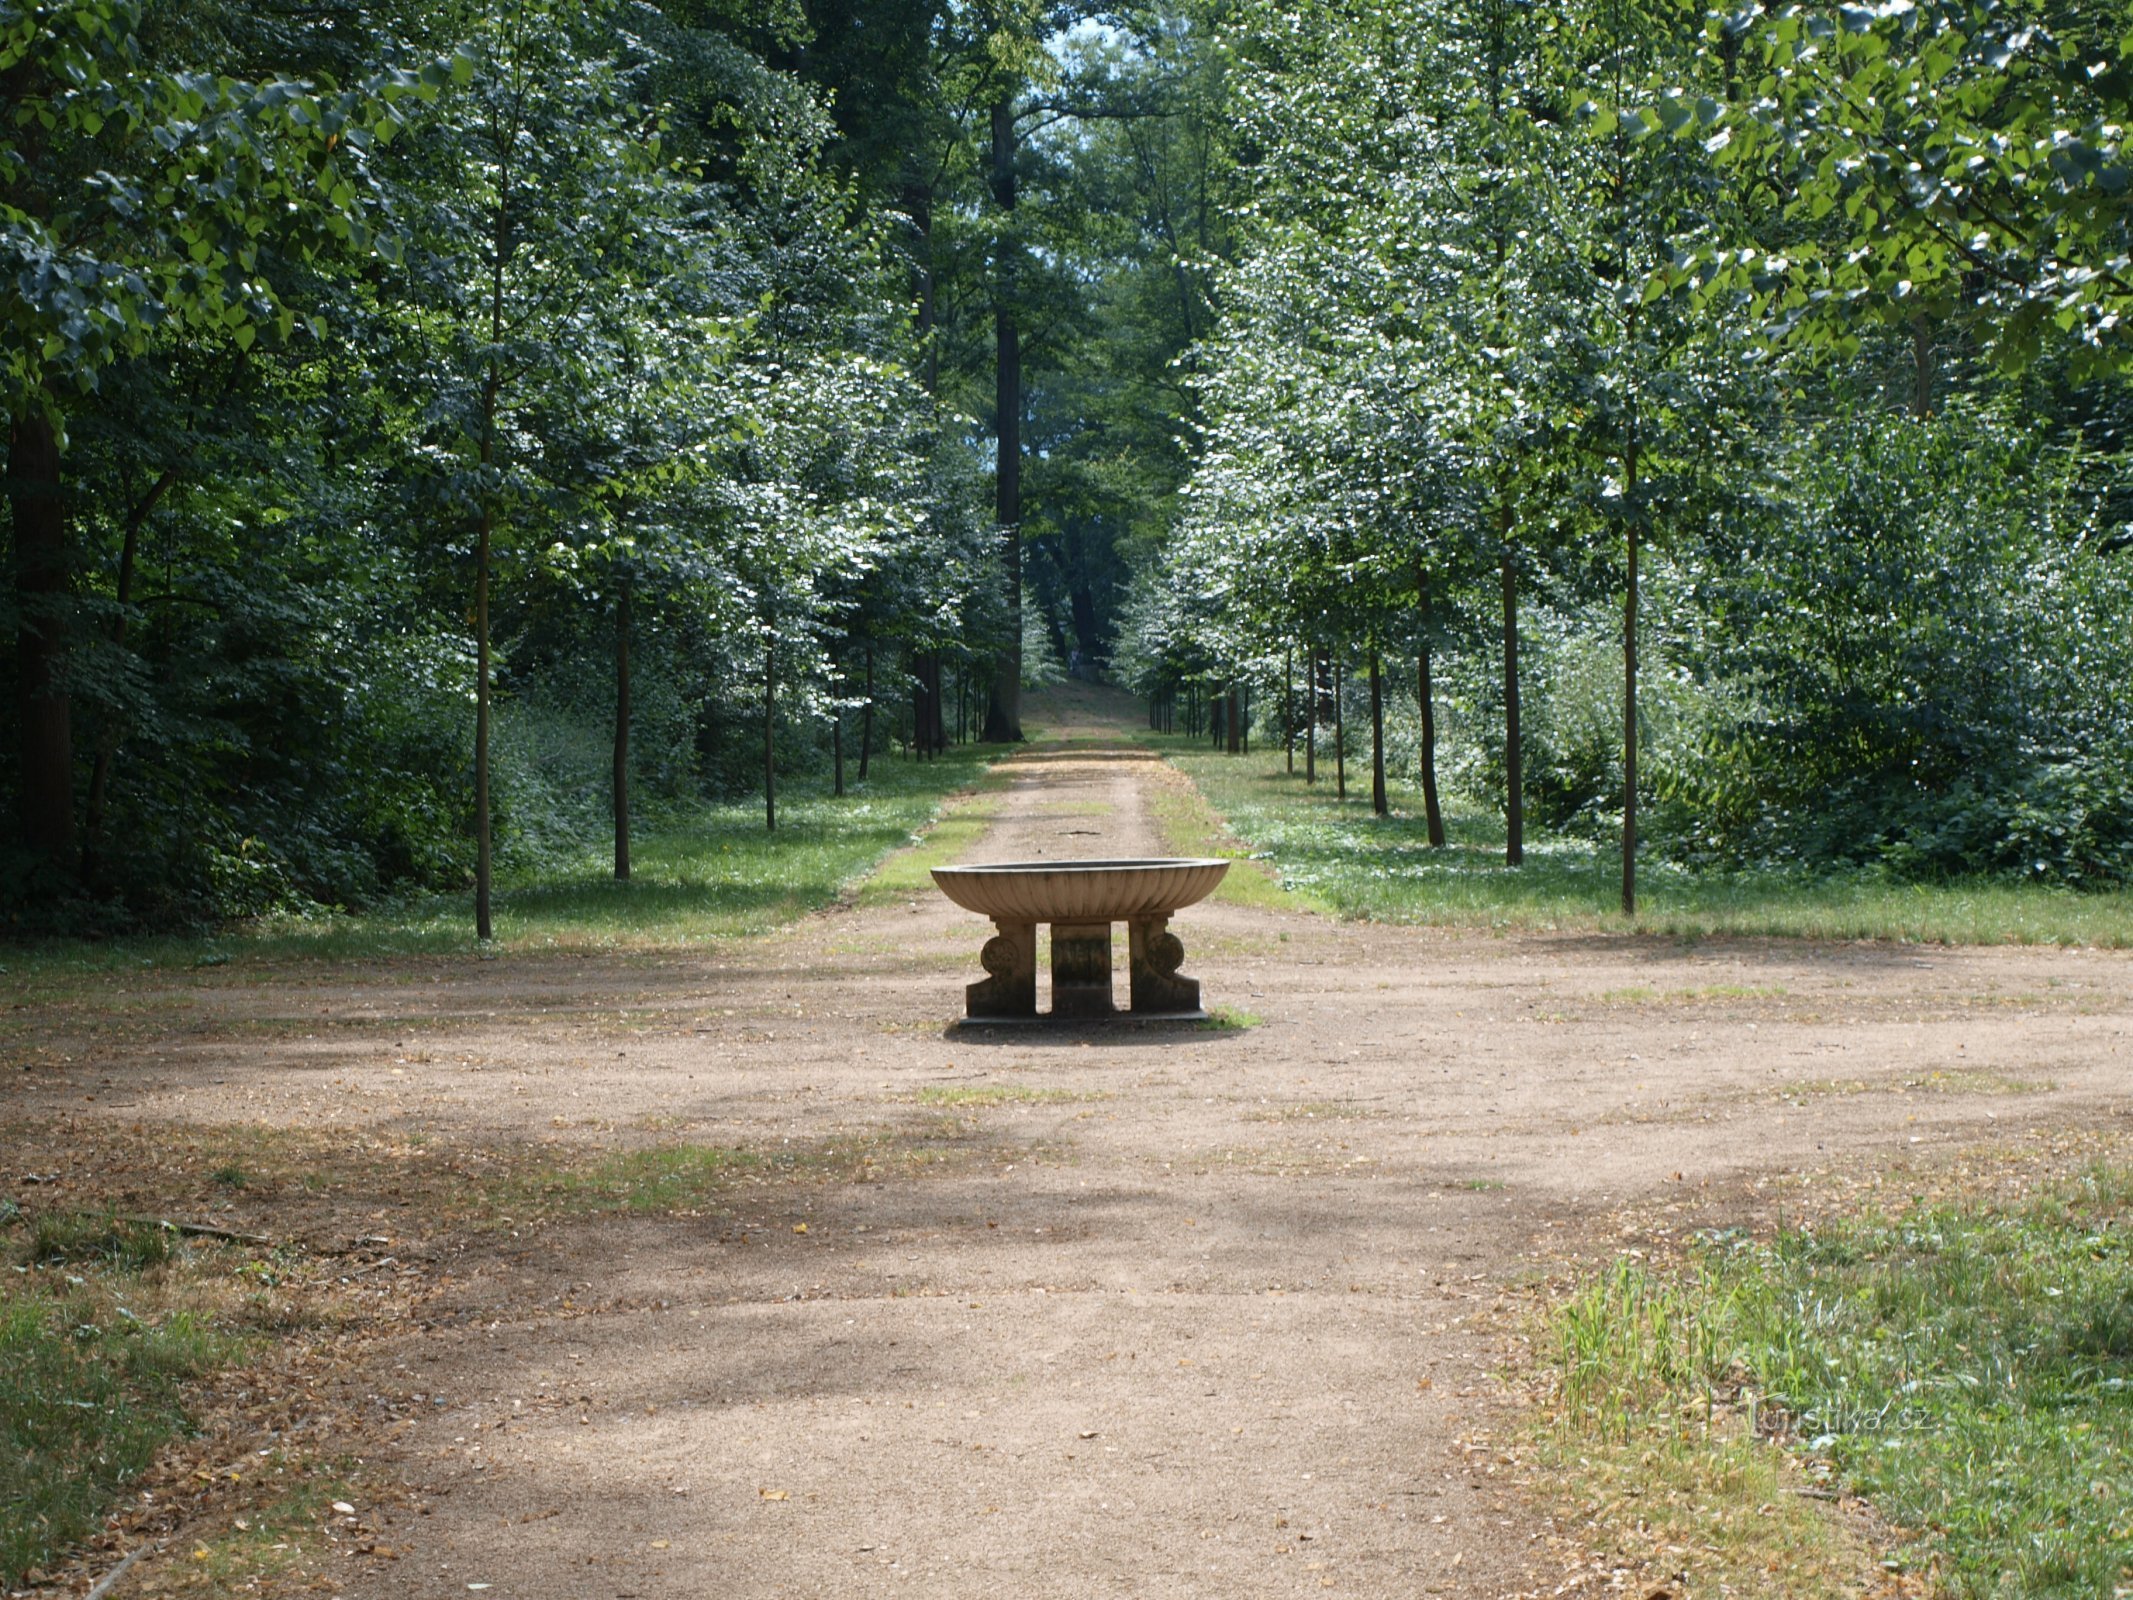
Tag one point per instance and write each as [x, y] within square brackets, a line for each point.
[1426, 697]
[866, 720]
[1311, 730]
[770, 750]
[108, 736]
[1514, 764]
[1288, 706]
[1003, 715]
[45, 710]
[837, 749]
[1378, 802]
[1340, 734]
[622, 732]
[484, 856]
[1233, 714]
[1629, 684]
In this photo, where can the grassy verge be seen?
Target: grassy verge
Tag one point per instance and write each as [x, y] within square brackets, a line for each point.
[1336, 852]
[98, 1345]
[717, 875]
[1965, 1368]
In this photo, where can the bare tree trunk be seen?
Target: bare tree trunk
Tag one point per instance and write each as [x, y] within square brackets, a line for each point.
[837, 736]
[45, 710]
[1629, 686]
[1233, 721]
[1003, 715]
[1311, 732]
[484, 856]
[622, 732]
[1340, 735]
[1514, 769]
[770, 754]
[1288, 706]
[1427, 699]
[1378, 802]
[866, 720]
[108, 737]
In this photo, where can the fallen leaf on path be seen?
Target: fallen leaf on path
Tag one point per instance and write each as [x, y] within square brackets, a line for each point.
[775, 1494]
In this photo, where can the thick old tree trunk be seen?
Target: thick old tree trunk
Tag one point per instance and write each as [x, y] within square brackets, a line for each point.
[45, 711]
[1003, 714]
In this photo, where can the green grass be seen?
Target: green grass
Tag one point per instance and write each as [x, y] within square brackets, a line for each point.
[1967, 1368]
[719, 875]
[94, 1366]
[983, 1095]
[1336, 853]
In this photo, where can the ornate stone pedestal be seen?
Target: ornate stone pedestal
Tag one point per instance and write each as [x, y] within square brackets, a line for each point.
[1011, 957]
[1081, 900]
[1081, 969]
[1156, 955]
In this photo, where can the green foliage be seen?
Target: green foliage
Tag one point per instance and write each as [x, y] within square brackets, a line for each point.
[1923, 657]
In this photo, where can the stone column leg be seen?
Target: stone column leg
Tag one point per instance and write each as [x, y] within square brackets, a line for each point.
[1011, 957]
[1157, 954]
[1081, 969]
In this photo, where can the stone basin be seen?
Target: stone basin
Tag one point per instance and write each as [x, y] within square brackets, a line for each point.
[1081, 899]
[1080, 891]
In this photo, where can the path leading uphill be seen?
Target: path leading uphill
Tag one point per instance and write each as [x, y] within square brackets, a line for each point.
[1131, 1312]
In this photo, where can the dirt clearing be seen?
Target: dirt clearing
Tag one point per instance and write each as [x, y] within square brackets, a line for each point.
[800, 1294]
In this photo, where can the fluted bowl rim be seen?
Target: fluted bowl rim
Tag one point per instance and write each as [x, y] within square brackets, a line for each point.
[1107, 888]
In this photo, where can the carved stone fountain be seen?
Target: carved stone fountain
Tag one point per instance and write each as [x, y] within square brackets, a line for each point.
[1081, 899]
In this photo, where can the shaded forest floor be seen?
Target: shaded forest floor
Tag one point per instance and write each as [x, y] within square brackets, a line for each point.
[731, 1269]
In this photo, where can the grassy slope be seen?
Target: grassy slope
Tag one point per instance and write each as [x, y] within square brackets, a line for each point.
[1337, 854]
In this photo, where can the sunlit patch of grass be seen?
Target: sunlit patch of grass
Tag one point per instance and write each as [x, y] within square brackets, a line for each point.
[1970, 1080]
[1705, 994]
[960, 823]
[1956, 1081]
[1337, 854]
[980, 1095]
[1312, 1111]
[1190, 826]
[1229, 1019]
[683, 1179]
[1965, 1368]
